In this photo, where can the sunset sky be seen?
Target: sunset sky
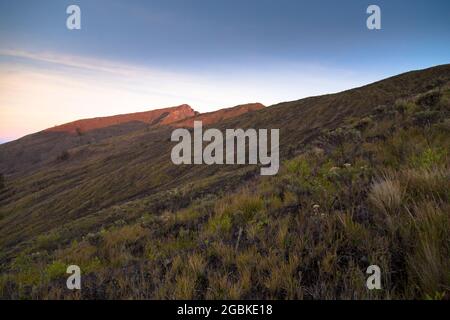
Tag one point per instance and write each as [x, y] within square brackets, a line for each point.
[137, 55]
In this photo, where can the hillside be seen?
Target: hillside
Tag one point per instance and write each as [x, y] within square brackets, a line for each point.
[364, 180]
[28, 154]
[41, 149]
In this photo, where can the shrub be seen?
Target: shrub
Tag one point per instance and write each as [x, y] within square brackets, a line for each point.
[363, 123]
[426, 118]
[27, 273]
[220, 224]
[429, 158]
[55, 270]
[48, 241]
[429, 99]
[248, 207]
[405, 106]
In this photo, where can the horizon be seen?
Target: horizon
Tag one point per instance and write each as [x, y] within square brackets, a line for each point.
[209, 55]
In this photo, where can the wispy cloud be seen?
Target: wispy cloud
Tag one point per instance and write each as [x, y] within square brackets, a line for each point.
[78, 62]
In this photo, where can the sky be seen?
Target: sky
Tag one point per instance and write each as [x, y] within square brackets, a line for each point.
[137, 55]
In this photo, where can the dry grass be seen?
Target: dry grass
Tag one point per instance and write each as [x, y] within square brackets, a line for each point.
[386, 195]
[430, 263]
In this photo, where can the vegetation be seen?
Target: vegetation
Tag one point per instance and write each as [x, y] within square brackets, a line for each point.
[373, 190]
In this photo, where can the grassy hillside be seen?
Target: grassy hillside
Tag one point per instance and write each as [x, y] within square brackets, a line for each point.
[364, 181]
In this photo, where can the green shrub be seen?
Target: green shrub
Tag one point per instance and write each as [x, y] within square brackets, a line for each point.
[220, 224]
[426, 118]
[429, 158]
[247, 208]
[26, 271]
[48, 241]
[55, 270]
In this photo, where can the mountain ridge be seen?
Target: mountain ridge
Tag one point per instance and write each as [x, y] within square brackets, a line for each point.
[35, 150]
[153, 117]
[218, 116]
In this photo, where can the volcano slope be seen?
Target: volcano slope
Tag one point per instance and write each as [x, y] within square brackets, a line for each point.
[364, 181]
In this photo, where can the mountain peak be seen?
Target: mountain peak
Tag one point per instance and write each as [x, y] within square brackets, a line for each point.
[153, 117]
[219, 115]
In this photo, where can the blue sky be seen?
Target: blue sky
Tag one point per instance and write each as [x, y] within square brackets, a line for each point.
[137, 55]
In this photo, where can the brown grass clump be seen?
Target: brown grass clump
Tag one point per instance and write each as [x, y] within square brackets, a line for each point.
[386, 195]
